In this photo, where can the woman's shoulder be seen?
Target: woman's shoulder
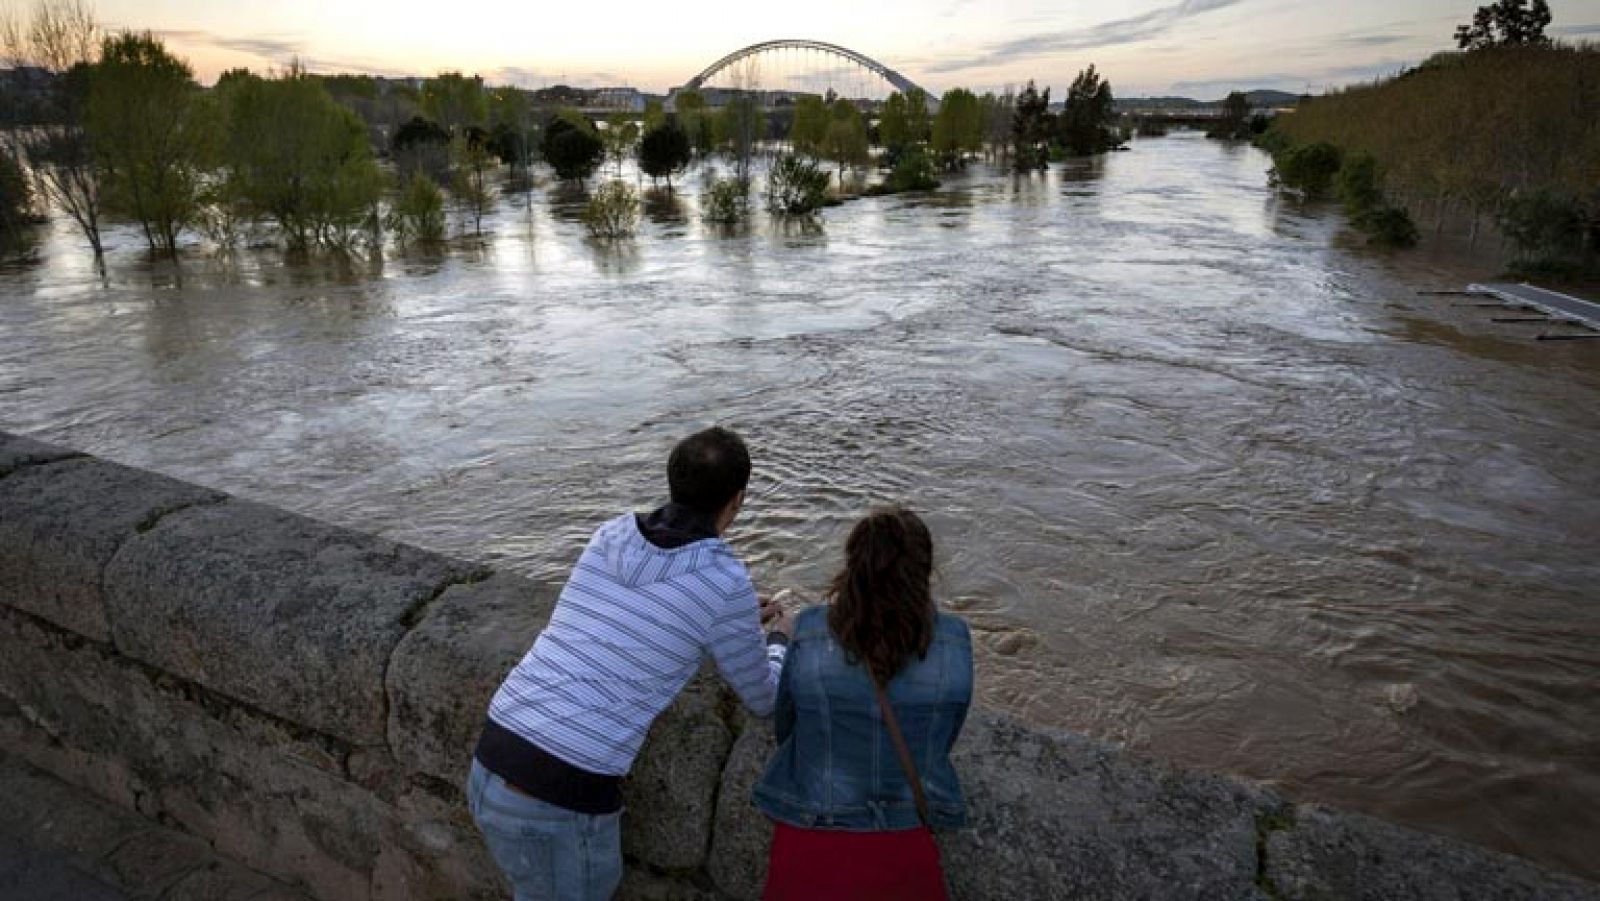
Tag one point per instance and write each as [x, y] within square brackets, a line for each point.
[812, 622]
[949, 627]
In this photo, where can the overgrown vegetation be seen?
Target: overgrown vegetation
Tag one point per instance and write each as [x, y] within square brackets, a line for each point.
[417, 214]
[1497, 133]
[727, 201]
[796, 187]
[664, 150]
[572, 147]
[913, 171]
[613, 211]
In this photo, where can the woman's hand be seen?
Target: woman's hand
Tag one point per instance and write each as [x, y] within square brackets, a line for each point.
[775, 615]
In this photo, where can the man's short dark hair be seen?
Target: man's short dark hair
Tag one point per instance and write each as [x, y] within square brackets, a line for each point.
[707, 469]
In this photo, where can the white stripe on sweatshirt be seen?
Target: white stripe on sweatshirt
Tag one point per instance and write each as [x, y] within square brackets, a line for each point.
[629, 631]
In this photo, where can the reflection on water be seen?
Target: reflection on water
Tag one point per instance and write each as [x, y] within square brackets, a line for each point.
[1205, 479]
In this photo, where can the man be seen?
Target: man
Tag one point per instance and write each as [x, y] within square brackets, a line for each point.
[651, 597]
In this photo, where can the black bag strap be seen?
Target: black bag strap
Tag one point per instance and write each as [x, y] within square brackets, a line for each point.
[900, 747]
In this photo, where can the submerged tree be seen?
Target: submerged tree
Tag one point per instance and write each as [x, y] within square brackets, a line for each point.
[151, 130]
[1030, 130]
[1086, 122]
[664, 151]
[846, 140]
[958, 127]
[297, 156]
[571, 146]
[62, 37]
[810, 128]
[620, 136]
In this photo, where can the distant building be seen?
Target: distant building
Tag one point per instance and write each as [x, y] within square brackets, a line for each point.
[629, 100]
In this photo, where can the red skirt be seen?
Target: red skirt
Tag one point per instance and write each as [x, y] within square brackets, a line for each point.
[853, 866]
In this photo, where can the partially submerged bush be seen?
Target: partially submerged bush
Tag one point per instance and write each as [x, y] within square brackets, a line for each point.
[1389, 226]
[613, 211]
[914, 170]
[1360, 188]
[727, 201]
[1308, 168]
[796, 187]
[418, 213]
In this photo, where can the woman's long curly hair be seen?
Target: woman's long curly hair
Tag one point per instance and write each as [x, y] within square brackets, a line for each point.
[881, 608]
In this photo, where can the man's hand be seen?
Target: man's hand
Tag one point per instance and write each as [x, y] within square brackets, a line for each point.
[782, 622]
[775, 615]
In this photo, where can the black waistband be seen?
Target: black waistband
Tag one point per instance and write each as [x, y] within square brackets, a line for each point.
[545, 776]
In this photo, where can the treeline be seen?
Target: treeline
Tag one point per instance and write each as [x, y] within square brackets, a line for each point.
[123, 131]
[1507, 134]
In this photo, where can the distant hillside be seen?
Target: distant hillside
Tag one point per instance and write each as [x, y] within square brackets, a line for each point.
[1271, 98]
[1257, 98]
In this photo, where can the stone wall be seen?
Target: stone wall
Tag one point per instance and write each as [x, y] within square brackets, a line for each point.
[304, 699]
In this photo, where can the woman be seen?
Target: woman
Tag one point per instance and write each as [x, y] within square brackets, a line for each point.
[851, 822]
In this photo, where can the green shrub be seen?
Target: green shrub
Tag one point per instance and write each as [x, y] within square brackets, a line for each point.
[613, 211]
[1543, 226]
[1387, 226]
[1308, 168]
[418, 213]
[796, 187]
[571, 146]
[914, 170]
[1360, 188]
[727, 201]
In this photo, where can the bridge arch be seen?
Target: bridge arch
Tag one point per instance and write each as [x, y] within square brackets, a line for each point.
[901, 83]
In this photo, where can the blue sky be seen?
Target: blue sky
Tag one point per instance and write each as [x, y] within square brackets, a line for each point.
[1201, 48]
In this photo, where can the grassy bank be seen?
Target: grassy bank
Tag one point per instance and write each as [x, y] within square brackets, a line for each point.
[1508, 135]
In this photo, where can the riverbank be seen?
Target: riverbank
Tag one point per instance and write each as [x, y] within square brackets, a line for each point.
[303, 698]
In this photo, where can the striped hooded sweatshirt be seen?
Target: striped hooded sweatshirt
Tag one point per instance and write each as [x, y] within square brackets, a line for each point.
[650, 599]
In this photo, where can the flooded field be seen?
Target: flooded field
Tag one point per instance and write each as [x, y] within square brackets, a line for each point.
[1207, 477]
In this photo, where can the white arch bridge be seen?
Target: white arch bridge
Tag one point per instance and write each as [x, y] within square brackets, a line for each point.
[899, 82]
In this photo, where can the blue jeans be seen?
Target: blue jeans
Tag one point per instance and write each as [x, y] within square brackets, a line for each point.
[549, 853]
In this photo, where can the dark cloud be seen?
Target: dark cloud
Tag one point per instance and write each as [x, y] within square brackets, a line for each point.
[1372, 40]
[274, 47]
[1130, 30]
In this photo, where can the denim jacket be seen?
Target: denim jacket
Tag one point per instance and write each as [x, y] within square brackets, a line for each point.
[836, 766]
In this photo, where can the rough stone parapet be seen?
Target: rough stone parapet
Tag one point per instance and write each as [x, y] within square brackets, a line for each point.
[113, 852]
[303, 699]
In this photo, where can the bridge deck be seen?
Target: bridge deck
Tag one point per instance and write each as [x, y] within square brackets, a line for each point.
[1552, 303]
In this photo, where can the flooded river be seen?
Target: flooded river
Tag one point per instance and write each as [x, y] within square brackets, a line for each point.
[1207, 477]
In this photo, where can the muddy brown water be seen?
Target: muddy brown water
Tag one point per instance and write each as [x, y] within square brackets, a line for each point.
[1207, 477]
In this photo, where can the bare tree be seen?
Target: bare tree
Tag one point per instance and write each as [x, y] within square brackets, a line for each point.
[57, 36]
[60, 36]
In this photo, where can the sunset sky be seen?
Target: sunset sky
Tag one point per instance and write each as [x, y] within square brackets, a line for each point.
[1200, 48]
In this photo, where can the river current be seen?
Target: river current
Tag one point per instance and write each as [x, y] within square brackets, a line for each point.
[1206, 476]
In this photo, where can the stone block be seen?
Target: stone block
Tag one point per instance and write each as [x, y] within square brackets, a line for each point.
[1087, 820]
[263, 792]
[153, 860]
[62, 522]
[743, 835]
[293, 616]
[446, 668]
[1328, 854]
[671, 791]
[432, 849]
[17, 451]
